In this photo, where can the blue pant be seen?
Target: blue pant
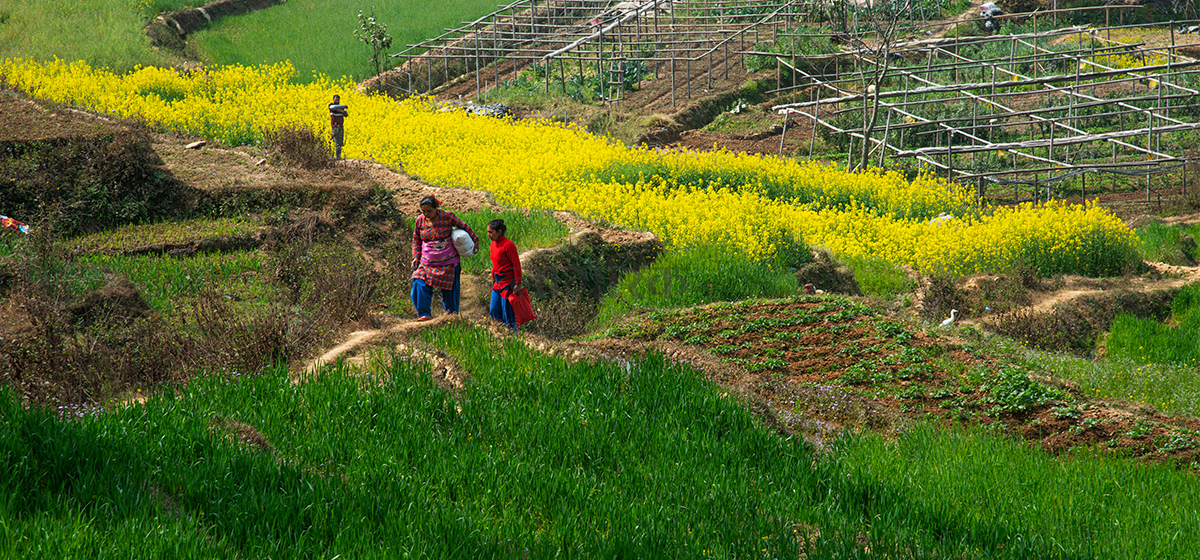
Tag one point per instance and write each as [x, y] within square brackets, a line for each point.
[422, 295]
[502, 311]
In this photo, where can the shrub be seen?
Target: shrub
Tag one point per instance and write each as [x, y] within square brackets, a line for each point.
[586, 267]
[1021, 6]
[92, 182]
[58, 348]
[226, 339]
[299, 146]
[1074, 327]
[879, 278]
[827, 274]
[942, 295]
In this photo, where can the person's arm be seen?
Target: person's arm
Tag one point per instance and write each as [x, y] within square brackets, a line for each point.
[458, 223]
[511, 252]
[416, 243]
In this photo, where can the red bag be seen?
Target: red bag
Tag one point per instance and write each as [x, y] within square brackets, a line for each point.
[521, 306]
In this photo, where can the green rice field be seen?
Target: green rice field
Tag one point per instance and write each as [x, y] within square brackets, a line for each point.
[542, 457]
[320, 36]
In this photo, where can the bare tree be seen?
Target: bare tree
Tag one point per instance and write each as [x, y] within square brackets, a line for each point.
[375, 34]
[877, 45]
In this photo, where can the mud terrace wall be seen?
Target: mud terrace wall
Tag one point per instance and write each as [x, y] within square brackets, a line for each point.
[587, 264]
[169, 30]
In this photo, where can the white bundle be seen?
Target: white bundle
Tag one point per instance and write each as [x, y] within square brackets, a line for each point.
[462, 243]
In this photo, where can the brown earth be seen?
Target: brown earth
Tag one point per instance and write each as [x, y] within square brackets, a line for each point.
[877, 374]
[23, 120]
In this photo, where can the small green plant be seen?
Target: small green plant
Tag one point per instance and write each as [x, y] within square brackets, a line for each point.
[766, 365]
[1177, 441]
[1065, 412]
[914, 391]
[1011, 390]
[1140, 429]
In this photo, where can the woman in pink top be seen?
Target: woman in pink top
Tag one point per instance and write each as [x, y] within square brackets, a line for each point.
[506, 273]
[434, 258]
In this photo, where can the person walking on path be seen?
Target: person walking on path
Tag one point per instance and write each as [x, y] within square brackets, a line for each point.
[506, 274]
[434, 258]
[338, 112]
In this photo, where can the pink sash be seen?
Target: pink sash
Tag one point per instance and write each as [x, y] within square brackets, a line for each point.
[439, 253]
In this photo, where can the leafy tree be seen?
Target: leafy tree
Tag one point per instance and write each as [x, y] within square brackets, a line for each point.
[375, 34]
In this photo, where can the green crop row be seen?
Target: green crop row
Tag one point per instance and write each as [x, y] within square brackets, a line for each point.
[318, 39]
[167, 282]
[694, 276]
[540, 457]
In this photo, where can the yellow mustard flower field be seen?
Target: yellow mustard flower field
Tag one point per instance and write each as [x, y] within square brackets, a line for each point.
[745, 202]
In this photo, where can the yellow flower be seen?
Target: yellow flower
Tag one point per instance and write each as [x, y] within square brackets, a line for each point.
[746, 202]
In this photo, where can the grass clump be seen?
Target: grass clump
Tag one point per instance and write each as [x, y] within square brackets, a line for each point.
[694, 276]
[944, 478]
[1163, 243]
[165, 233]
[1150, 341]
[527, 230]
[169, 282]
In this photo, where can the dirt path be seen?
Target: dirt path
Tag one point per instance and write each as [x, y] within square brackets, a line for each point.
[1173, 277]
[472, 309]
[475, 291]
[949, 25]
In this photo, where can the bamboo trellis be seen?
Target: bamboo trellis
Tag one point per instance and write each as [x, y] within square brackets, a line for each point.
[567, 38]
[1062, 95]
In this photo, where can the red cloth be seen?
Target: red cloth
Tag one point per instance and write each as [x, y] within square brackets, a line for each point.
[506, 265]
[441, 277]
[521, 306]
[9, 223]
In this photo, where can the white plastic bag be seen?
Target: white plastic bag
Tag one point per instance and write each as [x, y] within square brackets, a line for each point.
[462, 243]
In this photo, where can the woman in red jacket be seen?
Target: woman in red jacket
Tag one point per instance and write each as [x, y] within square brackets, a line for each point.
[506, 273]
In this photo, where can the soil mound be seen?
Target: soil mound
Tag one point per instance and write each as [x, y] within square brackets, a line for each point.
[118, 300]
[828, 275]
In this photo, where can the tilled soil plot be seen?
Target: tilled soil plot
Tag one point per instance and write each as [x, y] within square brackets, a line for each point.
[824, 364]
